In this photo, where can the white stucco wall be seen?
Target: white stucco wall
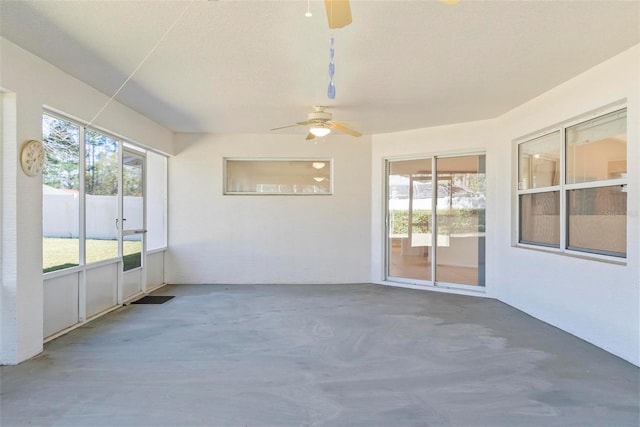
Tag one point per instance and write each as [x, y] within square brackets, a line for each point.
[594, 300]
[35, 83]
[267, 239]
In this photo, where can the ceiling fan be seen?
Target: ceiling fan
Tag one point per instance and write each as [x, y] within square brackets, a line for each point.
[339, 12]
[320, 124]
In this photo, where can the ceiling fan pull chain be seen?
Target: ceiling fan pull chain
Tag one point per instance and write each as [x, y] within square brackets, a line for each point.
[331, 90]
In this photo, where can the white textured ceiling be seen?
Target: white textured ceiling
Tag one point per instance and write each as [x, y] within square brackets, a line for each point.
[248, 66]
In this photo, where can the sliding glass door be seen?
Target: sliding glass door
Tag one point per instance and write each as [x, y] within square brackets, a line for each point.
[460, 218]
[409, 219]
[436, 240]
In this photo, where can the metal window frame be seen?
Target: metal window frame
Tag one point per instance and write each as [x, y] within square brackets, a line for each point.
[564, 189]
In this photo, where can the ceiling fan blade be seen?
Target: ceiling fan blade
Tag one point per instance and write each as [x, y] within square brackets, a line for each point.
[338, 13]
[310, 136]
[345, 124]
[343, 129]
[284, 127]
[290, 126]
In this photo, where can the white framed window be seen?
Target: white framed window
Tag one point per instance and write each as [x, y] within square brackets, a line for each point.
[61, 189]
[572, 184]
[81, 195]
[157, 201]
[298, 177]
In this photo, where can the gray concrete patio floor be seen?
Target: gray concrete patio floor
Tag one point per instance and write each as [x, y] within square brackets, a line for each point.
[319, 355]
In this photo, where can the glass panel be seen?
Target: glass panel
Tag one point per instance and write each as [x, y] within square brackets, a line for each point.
[540, 218]
[278, 176]
[132, 190]
[598, 220]
[539, 162]
[133, 209]
[101, 184]
[460, 250]
[409, 232]
[597, 149]
[132, 251]
[156, 201]
[60, 194]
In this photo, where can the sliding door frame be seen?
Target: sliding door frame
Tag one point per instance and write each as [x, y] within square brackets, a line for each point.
[433, 283]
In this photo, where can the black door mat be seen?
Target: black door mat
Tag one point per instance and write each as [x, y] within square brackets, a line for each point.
[153, 299]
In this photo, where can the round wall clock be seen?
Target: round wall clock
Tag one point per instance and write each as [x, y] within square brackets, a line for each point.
[32, 157]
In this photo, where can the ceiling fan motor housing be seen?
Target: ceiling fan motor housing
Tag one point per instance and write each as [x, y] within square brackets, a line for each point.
[319, 116]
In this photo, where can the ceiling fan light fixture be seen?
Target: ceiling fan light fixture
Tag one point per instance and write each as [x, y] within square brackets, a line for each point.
[319, 131]
[308, 14]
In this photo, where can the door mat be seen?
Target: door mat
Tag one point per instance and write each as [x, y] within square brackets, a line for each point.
[153, 299]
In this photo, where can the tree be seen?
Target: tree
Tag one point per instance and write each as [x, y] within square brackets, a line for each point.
[101, 164]
[62, 153]
[62, 149]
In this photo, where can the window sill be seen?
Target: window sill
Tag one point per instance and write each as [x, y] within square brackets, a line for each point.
[574, 254]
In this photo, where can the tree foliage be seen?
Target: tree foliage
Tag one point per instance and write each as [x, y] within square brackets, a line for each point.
[62, 164]
[62, 153]
[101, 164]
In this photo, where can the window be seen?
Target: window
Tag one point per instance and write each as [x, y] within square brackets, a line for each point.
[101, 201]
[60, 194]
[538, 182]
[108, 185]
[572, 187]
[267, 176]
[156, 201]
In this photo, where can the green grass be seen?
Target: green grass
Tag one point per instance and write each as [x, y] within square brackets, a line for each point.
[132, 261]
[59, 253]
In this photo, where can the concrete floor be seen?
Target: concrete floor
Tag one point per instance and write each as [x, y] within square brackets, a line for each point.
[321, 355]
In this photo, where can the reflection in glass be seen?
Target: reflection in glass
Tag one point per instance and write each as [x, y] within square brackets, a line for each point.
[101, 186]
[296, 177]
[410, 221]
[460, 211]
[60, 194]
[598, 220]
[539, 162]
[540, 218]
[133, 209]
[597, 149]
[132, 189]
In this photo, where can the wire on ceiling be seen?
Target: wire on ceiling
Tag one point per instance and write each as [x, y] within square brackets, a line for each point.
[144, 60]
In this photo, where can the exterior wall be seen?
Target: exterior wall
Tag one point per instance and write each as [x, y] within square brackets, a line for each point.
[594, 300]
[267, 239]
[35, 83]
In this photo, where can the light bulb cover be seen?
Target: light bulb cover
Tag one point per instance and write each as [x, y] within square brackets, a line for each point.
[319, 131]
